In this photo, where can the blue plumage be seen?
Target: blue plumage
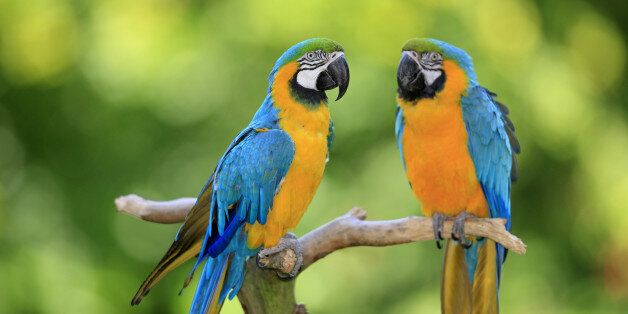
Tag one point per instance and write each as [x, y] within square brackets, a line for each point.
[209, 283]
[491, 152]
[230, 264]
[248, 175]
[399, 125]
[489, 148]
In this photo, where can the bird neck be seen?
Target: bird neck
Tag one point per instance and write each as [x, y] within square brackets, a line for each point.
[293, 111]
[285, 89]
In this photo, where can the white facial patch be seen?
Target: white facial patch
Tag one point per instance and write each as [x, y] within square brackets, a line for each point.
[431, 76]
[307, 78]
[430, 65]
[312, 64]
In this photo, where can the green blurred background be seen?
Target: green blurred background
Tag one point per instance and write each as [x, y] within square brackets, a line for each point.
[104, 98]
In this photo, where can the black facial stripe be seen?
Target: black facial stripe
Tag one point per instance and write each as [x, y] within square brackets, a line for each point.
[305, 65]
[431, 65]
[319, 54]
[310, 97]
[315, 58]
[314, 64]
[308, 68]
[431, 68]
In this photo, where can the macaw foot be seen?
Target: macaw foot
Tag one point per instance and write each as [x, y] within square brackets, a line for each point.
[457, 230]
[437, 223]
[286, 257]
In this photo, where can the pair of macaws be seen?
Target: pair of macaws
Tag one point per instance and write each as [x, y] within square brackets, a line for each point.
[457, 145]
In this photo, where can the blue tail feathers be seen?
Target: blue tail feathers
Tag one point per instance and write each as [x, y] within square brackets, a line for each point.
[223, 274]
[210, 286]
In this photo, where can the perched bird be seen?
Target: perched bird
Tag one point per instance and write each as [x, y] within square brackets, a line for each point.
[266, 179]
[458, 148]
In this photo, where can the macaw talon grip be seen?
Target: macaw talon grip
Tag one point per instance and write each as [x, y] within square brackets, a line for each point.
[457, 230]
[438, 220]
[286, 258]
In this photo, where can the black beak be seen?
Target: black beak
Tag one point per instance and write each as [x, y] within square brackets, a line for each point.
[409, 77]
[336, 75]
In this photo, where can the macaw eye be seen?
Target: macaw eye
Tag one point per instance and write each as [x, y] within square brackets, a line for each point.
[434, 57]
[310, 55]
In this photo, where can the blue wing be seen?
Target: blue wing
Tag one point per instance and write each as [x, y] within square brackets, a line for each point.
[490, 149]
[244, 184]
[492, 146]
[399, 125]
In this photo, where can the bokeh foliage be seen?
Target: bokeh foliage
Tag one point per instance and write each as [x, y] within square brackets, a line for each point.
[103, 98]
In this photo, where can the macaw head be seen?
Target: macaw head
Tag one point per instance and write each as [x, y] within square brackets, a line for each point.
[428, 66]
[310, 68]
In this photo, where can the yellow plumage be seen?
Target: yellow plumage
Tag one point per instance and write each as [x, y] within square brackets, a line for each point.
[308, 127]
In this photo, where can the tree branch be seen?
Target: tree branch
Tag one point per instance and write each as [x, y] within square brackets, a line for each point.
[348, 230]
[164, 212]
[351, 229]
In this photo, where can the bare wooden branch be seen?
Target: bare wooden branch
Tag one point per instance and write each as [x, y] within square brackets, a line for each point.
[165, 212]
[264, 292]
[345, 231]
[352, 229]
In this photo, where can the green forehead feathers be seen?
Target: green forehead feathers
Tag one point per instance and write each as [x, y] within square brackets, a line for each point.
[421, 45]
[448, 51]
[298, 50]
[324, 44]
[313, 44]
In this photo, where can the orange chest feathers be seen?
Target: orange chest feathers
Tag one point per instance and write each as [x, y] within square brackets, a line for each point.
[438, 164]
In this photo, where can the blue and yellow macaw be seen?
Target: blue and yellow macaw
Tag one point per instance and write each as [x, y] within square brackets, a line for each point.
[458, 148]
[266, 179]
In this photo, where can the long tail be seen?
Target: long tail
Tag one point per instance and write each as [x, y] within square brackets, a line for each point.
[186, 245]
[471, 278]
[208, 293]
[222, 276]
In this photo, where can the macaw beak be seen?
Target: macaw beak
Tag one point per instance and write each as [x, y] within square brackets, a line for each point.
[409, 76]
[336, 75]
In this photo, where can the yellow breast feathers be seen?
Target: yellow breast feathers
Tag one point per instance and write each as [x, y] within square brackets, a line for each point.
[308, 127]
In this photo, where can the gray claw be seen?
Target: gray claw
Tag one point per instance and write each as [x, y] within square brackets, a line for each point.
[457, 230]
[437, 224]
